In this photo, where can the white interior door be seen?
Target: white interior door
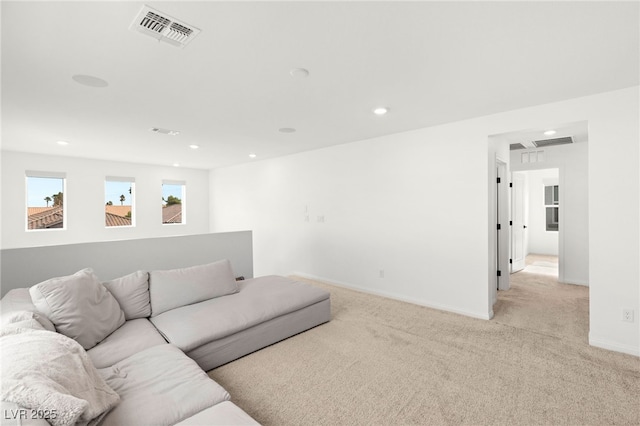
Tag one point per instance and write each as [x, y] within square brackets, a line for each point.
[518, 228]
[502, 222]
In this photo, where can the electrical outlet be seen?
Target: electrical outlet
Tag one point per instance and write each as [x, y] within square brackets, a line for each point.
[627, 315]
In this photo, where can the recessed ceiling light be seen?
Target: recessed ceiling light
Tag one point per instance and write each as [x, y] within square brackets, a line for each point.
[63, 143]
[550, 132]
[286, 130]
[299, 72]
[252, 155]
[194, 146]
[380, 110]
[176, 164]
[89, 80]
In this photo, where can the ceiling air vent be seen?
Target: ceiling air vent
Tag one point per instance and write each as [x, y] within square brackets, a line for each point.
[165, 131]
[163, 27]
[515, 146]
[552, 142]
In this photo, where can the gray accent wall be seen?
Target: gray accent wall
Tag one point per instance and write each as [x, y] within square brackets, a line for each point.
[24, 267]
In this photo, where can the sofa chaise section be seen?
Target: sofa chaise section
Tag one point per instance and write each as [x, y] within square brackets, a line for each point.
[263, 311]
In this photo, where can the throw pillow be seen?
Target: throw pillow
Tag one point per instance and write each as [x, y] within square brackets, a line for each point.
[79, 306]
[179, 287]
[132, 294]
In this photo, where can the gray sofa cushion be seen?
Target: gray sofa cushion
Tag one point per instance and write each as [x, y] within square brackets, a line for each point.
[132, 293]
[179, 287]
[219, 352]
[259, 300]
[224, 414]
[132, 337]
[79, 306]
[159, 386]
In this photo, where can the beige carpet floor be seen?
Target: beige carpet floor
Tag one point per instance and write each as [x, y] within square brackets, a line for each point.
[385, 362]
[538, 303]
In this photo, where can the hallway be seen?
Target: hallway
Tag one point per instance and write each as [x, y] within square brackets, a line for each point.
[538, 302]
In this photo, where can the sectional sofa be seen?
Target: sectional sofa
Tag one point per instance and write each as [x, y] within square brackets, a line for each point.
[134, 350]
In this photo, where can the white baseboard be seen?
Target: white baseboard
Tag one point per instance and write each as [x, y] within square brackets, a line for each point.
[613, 346]
[480, 315]
[575, 282]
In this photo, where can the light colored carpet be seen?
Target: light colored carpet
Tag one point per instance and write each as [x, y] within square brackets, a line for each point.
[541, 268]
[384, 362]
[538, 303]
[541, 264]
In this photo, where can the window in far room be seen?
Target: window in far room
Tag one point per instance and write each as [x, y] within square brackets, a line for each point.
[173, 202]
[552, 207]
[119, 195]
[45, 200]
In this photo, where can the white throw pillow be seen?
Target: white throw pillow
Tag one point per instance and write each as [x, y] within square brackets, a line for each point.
[179, 287]
[79, 306]
[132, 294]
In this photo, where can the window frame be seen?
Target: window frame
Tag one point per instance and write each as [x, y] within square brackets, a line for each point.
[45, 175]
[554, 206]
[183, 203]
[132, 186]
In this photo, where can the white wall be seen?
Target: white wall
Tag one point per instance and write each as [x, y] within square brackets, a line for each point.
[416, 205]
[388, 204]
[84, 199]
[614, 222]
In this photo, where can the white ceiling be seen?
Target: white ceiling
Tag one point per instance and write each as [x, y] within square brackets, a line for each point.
[229, 90]
[578, 132]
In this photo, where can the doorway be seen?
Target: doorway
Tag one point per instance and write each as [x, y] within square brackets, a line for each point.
[535, 223]
[545, 229]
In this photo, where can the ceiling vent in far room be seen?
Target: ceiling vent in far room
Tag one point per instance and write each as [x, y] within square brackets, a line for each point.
[163, 27]
[552, 142]
[164, 131]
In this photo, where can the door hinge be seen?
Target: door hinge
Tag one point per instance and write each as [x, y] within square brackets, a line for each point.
[499, 273]
[499, 227]
[510, 223]
[498, 180]
[510, 260]
[510, 184]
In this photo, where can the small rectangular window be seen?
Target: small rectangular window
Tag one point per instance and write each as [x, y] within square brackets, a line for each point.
[552, 207]
[173, 202]
[45, 200]
[119, 195]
